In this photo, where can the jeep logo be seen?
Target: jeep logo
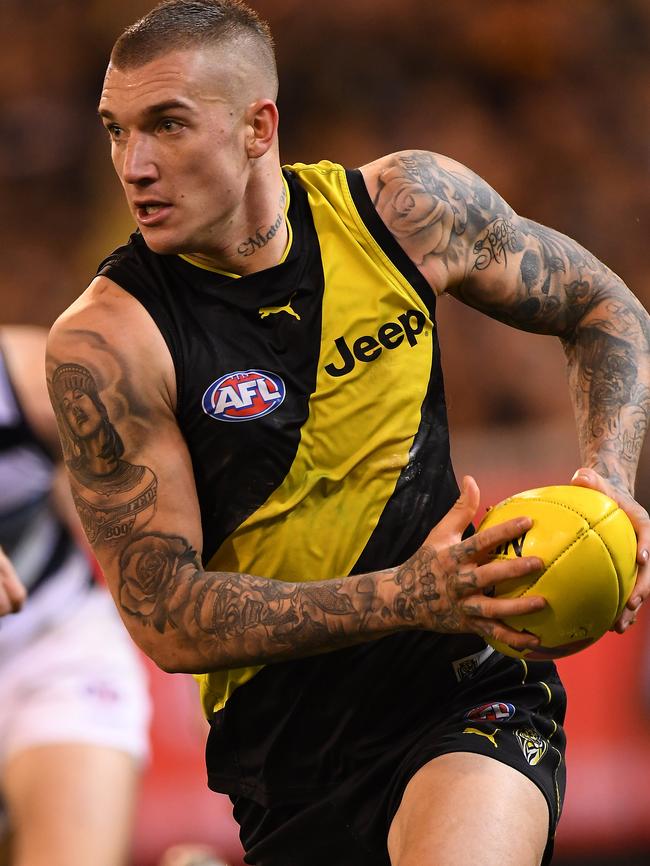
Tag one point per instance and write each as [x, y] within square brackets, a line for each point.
[367, 348]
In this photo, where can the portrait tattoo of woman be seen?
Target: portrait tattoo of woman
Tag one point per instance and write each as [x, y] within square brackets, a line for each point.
[111, 494]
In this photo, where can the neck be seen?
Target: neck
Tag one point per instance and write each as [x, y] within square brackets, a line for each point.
[260, 238]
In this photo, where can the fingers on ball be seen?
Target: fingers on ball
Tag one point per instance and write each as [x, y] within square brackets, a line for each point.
[495, 609]
[499, 631]
[486, 540]
[497, 571]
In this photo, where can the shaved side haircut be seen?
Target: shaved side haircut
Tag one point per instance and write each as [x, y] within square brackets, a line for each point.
[178, 25]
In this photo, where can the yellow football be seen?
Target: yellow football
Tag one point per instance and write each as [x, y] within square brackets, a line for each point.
[588, 547]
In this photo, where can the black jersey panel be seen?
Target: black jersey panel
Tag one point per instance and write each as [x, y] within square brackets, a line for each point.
[245, 351]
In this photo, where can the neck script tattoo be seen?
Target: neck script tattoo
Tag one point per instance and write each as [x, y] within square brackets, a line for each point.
[263, 235]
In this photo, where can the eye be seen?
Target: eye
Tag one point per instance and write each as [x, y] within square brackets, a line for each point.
[114, 131]
[167, 125]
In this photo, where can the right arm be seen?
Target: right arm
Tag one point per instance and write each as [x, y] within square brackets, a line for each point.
[112, 387]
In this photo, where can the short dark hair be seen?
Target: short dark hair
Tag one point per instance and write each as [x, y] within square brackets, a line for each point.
[179, 24]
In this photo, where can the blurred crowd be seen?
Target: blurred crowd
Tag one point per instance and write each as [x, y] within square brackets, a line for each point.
[548, 101]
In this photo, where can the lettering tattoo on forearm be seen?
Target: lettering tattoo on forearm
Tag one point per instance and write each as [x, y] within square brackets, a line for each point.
[163, 584]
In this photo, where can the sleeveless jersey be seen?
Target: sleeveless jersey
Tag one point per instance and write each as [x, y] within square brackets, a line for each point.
[52, 568]
[310, 394]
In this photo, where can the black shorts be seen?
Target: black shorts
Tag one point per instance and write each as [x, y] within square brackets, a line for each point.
[316, 753]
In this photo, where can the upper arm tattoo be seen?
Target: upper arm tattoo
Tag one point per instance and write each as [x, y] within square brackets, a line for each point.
[429, 208]
[113, 495]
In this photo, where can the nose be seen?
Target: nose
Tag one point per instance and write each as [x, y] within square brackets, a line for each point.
[138, 164]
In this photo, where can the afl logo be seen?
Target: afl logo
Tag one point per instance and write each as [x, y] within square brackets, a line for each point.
[244, 395]
[495, 712]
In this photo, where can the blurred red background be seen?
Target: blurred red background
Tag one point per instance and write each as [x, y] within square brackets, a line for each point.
[550, 102]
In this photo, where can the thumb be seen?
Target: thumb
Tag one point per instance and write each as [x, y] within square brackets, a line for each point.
[461, 513]
[585, 477]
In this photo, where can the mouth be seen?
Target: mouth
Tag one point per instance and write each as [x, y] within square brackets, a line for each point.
[152, 213]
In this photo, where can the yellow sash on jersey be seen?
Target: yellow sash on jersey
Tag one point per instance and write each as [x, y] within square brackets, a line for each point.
[362, 421]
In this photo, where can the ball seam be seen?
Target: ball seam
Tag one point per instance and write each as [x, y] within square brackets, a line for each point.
[517, 499]
[612, 557]
[578, 538]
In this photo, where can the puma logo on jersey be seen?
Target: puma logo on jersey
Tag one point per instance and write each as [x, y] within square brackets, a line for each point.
[409, 326]
[273, 311]
[491, 737]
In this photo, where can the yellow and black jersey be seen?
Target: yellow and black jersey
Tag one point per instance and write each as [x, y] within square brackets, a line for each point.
[310, 394]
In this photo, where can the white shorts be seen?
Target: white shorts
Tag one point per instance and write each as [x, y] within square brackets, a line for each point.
[80, 681]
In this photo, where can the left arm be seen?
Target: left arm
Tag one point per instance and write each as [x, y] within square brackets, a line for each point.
[468, 241]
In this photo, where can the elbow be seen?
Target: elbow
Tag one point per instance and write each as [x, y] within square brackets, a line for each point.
[172, 664]
[177, 653]
[171, 660]
[163, 654]
[174, 659]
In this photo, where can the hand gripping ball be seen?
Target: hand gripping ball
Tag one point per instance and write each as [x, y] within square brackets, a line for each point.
[588, 547]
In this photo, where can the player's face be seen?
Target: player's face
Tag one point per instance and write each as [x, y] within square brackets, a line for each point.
[178, 146]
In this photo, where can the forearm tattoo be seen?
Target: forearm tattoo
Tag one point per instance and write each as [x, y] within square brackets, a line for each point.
[240, 618]
[605, 332]
[536, 279]
[233, 619]
[220, 619]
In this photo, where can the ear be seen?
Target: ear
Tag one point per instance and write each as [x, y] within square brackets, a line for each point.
[262, 122]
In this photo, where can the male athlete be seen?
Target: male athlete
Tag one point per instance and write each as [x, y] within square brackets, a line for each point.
[282, 518]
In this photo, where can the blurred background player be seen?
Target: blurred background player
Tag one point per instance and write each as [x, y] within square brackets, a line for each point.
[12, 592]
[74, 704]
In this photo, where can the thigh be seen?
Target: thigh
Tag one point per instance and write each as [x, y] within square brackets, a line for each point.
[70, 804]
[506, 728]
[462, 808]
